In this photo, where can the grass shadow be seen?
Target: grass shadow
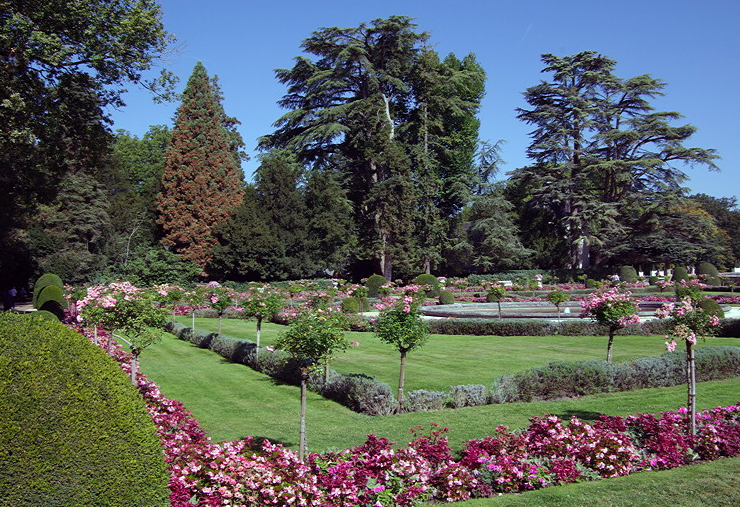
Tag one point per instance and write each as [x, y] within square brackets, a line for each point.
[583, 415]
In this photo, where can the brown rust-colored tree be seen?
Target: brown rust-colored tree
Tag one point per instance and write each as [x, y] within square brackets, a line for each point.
[203, 180]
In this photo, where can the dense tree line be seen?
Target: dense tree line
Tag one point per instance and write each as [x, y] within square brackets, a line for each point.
[375, 167]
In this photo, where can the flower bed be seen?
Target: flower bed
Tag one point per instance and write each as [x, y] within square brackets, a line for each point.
[548, 452]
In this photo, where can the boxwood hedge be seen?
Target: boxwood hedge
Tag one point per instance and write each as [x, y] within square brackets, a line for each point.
[73, 430]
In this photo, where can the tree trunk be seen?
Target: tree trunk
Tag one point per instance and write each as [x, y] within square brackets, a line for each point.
[609, 345]
[193, 317]
[220, 322]
[259, 334]
[326, 372]
[109, 346]
[400, 381]
[691, 377]
[302, 438]
[134, 366]
[95, 335]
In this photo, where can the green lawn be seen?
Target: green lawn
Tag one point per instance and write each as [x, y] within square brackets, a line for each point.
[231, 400]
[448, 360]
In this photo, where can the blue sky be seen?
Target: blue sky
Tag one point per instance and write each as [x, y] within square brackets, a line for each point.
[692, 46]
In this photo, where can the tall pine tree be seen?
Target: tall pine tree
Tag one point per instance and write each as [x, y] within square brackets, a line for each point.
[203, 181]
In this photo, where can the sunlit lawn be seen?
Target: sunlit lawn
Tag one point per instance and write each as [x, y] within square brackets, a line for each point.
[448, 360]
[231, 400]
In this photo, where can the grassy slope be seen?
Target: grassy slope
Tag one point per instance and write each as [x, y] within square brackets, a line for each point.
[231, 400]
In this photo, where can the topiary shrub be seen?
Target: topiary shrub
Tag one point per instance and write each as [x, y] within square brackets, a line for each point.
[711, 307]
[350, 305]
[373, 284]
[73, 430]
[590, 283]
[43, 281]
[628, 274]
[679, 274]
[710, 271]
[446, 297]
[431, 281]
[51, 293]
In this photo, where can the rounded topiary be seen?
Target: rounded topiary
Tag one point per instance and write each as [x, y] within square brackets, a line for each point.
[590, 283]
[679, 274]
[711, 307]
[51, 293]
[44, 281]
[45, 314]
[74, 431]
[711, 272]
[446, 297]
[374, 283]
[628, 274]
[431, 281]
[364, 304]
[350, 305]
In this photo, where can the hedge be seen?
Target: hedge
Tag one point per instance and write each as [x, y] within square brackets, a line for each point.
[73, 429]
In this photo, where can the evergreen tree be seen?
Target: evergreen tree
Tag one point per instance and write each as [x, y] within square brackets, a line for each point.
[599, 149]
[202, 181]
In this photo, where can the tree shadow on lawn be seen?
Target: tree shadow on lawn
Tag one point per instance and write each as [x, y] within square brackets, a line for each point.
[583, 415]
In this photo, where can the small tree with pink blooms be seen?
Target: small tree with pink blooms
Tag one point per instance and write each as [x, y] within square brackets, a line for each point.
[612, 309]
[401, 326]
[690, 322]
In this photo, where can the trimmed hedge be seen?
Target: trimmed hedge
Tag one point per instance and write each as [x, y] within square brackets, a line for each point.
[373, 284]
[43, 281]
[357, 392]
[73, 430]
[569, 379]
[430, 280]
[446, 297]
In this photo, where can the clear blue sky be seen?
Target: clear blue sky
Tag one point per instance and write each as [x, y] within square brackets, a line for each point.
[692, 46]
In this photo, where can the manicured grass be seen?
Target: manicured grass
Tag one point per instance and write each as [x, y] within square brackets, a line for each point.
[708, 485]
[231, 400]
[449, 360]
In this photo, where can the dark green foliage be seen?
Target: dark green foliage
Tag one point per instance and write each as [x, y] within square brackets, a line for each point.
[446, 297]
[534, 327]
[711, 307]
[374, 282]
[158, 266]
[568, 379]
[726, 214]
[653, 280]
[422, 400]
[51, 293]
[45, 314]
[679, 274]
[590, 283]
[43, 281]
[628, 274]
[350, 305]
[73, 430]
[710, 271]
[431, 281]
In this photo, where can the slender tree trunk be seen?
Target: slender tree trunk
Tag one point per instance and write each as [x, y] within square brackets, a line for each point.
[220, 323]
[259, 334]
[691, 377]
[326, 373]
[109, 346]
[401, 381]
[609, 345]
[192, 326]
[302, 438]
[95, 334]
[499, 309]
[134, 366]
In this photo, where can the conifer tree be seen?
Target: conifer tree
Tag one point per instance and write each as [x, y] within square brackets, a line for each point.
[203, 181]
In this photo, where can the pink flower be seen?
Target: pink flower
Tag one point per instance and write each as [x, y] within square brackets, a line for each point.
[671, 345]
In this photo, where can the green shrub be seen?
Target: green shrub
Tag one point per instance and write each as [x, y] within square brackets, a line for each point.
[468, 396]
[422, 400]
[653, 280]
[43, 281]
[350, 305]
[446, 297]
[73, 430]
[710, 271]
[628, 274]
[373, 284]
[431, 281]
[51, 293]
[679, 274]
[364, 304]
[711, 307]
[590, 283]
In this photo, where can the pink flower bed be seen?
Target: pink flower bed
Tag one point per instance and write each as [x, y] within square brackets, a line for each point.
[378, 473]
